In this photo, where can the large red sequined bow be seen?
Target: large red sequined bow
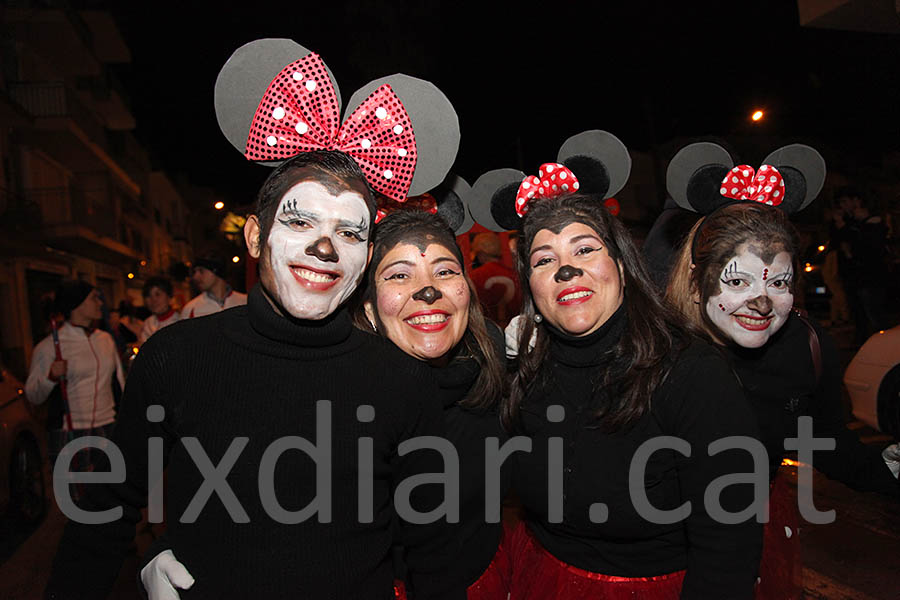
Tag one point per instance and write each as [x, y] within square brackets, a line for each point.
[743, 183]
[553, 179]
[299, 113]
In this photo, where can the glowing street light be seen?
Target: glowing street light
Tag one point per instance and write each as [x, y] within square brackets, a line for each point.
[821, 248]
[131, 276]
[219, 205]
[757, 115]
[235, 259]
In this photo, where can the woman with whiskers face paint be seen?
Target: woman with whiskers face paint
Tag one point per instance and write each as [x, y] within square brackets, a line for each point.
[610, 380]
[419, 297]
[733, 281]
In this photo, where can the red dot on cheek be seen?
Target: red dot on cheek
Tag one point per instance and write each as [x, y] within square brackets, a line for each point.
[722, 307]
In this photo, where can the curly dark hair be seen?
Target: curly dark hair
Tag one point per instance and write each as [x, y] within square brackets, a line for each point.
[646, 347]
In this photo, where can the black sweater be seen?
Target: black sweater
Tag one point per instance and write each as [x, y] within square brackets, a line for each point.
[780, 382]
[249, 373]
[467, 429]
[699, 402]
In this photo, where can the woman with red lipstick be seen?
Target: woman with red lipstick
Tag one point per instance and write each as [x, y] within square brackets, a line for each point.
[420, 298]
[610, 379]
[733, 283]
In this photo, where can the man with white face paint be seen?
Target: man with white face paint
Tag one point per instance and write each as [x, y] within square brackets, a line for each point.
[307, 506]
[755, 298]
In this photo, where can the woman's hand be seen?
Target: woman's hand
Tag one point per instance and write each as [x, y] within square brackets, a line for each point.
[891, 456]
[162, 575]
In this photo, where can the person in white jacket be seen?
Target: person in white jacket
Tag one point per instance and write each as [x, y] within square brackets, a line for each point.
[89, 364]
[158, 300]
[215, 293]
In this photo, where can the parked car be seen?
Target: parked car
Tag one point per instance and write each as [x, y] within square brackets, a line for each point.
[23, 448]
[873, 380]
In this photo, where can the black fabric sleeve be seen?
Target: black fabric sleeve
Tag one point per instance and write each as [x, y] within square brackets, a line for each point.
[723, 559]
[852, 462]
[89, 557]
[429, 547]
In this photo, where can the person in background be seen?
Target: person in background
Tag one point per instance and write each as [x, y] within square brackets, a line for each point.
[215, 293]
[863, 242]
[496, 284]
[89, 363]
[158, 300]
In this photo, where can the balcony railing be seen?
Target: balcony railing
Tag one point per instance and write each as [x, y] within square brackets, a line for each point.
[54, 99]
[75, 206]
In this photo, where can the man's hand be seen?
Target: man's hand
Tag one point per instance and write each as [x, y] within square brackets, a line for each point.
[57, 370]
[162, 575]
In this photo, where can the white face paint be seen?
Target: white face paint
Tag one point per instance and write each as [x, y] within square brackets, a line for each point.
[317, 250]
[754, 298]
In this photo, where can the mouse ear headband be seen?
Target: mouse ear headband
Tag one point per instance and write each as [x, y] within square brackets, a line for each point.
[275, 99]
[448, 201]
[701, 177]
[592, 162]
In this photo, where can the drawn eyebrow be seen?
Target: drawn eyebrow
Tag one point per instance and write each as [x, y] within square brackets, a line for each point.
[730, 269]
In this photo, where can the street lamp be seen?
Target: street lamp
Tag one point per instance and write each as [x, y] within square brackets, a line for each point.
[219, 205]
[235, 259]
[757, 116]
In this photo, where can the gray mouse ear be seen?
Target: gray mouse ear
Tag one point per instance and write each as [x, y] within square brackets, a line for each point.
[695, 174]
[434, 124]
[451, 203]
[493, 199]
[599, 160]
[243, 82]
[803, 170]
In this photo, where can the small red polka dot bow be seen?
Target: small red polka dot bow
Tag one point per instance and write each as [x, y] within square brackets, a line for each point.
[743, 183]
[553, 180]
[300, 113]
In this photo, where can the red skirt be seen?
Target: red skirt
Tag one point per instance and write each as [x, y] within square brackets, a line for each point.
[538, 575]
[781, 570]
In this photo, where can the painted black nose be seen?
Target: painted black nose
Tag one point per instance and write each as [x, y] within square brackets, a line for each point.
[428, 295]
[323, 249]
[567, 272]
[761, 304]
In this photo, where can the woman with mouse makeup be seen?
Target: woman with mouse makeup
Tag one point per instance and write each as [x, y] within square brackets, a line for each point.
[733, 280]
[419, 297]
[620, 406]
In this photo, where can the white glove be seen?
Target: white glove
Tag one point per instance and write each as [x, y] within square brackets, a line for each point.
[891, 456]
[511, 334]
[162, 575]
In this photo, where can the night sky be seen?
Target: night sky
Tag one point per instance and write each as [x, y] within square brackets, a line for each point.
[523, 81]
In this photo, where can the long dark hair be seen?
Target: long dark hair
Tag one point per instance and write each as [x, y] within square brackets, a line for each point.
[419, 227]
[714, 240]
[645, 348]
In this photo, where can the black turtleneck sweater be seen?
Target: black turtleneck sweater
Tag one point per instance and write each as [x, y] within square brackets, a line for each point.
[250, 373]
[699, 402]
[468, 429]
[780, 382]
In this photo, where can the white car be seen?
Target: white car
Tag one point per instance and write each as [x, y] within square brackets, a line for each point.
[873, 380]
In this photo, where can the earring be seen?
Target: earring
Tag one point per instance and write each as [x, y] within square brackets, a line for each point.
[374, 326]
[538, 318]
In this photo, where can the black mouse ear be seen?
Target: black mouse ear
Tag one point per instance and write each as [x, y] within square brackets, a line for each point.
[451, 203]
[493, 199]
[599, 160]
[694, 176]
[803, 170]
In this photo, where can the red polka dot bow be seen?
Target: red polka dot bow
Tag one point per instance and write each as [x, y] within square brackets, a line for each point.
[743, 183]
[300, 113]
[553, 180]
